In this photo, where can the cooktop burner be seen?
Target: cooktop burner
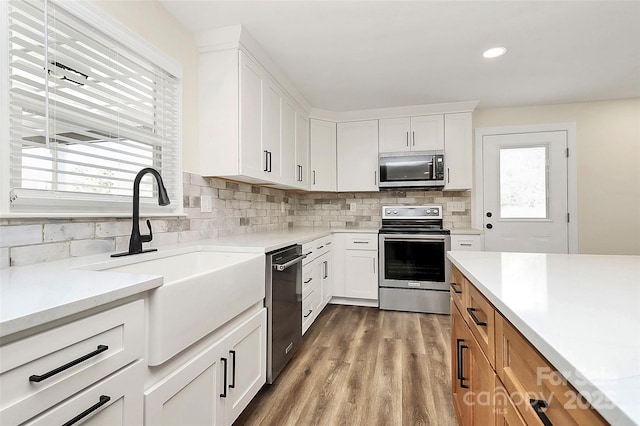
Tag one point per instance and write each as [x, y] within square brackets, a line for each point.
[412, 220]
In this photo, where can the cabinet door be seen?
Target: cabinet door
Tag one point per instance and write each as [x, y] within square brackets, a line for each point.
[271, 128]
[252, 158]
[191, 394]
[473, 379]
[463, 242]
[325, 280]
[358, 156]
[246, 369]
[362, 274]
[288, 157]
[302, 151]
[395, 134]
[427, 133]
[323, 155]
[457, 151]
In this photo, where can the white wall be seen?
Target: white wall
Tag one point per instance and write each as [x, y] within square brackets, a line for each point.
[152, 21]
[608, 144]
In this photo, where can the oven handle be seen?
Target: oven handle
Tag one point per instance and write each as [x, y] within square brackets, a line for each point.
[415, 237]
[282, 266]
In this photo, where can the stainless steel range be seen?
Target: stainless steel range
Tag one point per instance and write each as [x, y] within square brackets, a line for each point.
[414, 270]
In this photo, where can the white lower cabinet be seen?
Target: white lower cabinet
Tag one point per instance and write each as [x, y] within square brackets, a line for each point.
[51, 377]
[217, 384]
[362, 274]
[466, 242]
[114, 401]
[325, 273]
[316, 279]
[355, 269]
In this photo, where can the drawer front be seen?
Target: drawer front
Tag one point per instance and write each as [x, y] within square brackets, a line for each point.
[96, 346]
[480, 316]
[323, 245]
[528, 377]
[308, 311]
[114, 401]
[506, 412]
[458, 289]
[308, 278]
[466, 242]
[308, 248]
[361, 242]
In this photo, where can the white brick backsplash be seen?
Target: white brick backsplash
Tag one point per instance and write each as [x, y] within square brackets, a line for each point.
[21, 235]
[68, 231]
[89, 247]
[113, 229]
[27, 255]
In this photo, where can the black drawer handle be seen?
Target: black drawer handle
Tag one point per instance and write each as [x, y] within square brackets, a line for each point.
[103, 400]
[455, 290]
[36, 378]
[308, 281]
[224, 386]
[475, 318]
[307, 316]
[538, 405]
[233, 369]
[461, 363]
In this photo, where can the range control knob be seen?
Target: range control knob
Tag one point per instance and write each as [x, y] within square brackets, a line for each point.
[395, 212]
[388, 212]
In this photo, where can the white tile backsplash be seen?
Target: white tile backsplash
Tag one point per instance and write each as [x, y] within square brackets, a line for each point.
[28, 255]
[89, 247]
[68, 231]
[20, 235]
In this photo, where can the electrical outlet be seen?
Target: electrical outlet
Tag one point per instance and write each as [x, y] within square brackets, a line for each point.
[352, 207]
[205, 203]
[455, 206]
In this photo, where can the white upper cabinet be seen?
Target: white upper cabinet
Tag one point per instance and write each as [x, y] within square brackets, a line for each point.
[288, 155]
[457, 151]
[358, 156]
[302, 151]
[427, 133]
[421, 133]
[323, 155]
[249, 125]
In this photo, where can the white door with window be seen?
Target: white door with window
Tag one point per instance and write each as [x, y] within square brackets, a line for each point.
[524, 200]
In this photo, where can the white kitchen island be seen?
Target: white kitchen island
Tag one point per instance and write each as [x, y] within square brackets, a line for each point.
[581, 312]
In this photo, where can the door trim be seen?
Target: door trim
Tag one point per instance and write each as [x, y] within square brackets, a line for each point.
[477, 195]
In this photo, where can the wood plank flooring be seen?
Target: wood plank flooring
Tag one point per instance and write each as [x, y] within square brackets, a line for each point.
[363, 366]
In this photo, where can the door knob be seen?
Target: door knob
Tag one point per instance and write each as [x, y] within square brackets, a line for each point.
[489, 214]
[489, 226]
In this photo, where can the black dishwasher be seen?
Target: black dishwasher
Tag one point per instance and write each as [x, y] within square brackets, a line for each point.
[284, 307]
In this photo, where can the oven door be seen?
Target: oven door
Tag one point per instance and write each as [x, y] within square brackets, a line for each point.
[415, 261]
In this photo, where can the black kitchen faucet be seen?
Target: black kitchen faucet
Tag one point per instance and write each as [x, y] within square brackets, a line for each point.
[135, 243]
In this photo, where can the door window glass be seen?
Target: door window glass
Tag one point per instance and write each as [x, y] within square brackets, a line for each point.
[523, 183]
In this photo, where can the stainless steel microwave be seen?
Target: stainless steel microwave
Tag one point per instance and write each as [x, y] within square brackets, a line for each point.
[411, 169]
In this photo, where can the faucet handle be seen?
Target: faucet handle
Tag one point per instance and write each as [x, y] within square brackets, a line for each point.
[147, 238]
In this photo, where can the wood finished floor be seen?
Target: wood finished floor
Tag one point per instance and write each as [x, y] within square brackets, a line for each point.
[363, 366]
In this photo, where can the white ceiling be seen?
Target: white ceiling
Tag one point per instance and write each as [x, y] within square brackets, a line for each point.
[350, 55]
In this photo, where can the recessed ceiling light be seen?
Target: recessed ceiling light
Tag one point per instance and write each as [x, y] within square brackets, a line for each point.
[494, 52]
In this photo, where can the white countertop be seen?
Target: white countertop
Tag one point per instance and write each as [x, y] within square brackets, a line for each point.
[34, 295]
[582, 312]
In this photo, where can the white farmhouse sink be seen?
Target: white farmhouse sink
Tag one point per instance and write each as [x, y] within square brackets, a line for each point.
[201, 291]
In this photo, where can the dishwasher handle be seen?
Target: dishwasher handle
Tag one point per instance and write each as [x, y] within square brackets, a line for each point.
[283, 266]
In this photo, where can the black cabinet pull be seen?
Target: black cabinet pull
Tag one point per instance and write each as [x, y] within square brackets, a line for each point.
[455, 290]
[459, 358]
[266, 161]
[103, 400]
[38, 378]
[224, 386]
[461, 363]
[475, 318]
[308, 281]
[307, 316]
[538, 405]
[269, 161]
[233, 369]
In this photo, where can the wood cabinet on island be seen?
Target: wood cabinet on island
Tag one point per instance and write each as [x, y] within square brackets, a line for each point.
[526, 346]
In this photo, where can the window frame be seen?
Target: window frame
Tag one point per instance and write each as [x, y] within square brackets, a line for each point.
[91, 205]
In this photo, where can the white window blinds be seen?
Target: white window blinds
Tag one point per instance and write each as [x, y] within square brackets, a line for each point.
[87, 112]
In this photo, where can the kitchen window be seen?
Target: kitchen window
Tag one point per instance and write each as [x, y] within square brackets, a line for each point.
[86, 104]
